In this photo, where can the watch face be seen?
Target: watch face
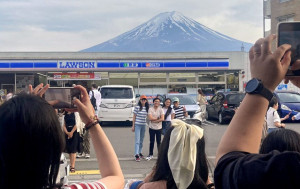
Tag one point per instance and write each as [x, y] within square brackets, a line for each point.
[252, 85]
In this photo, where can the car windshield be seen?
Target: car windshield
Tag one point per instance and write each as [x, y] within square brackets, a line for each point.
[289, 97]
[184, 99]
[118, 93]
[235, 98]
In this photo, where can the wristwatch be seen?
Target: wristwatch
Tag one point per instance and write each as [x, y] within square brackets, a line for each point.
[255, 86]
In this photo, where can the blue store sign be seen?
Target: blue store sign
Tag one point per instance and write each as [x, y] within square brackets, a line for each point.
[77, 64]
[281, 87]
[73, 65]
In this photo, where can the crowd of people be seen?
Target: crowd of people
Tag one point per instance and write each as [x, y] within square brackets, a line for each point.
[158, 118]
[31, 138]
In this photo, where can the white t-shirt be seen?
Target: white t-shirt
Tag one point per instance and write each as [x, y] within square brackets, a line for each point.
[156, 113]
[169, 116]
[97, 96]
[272, 117]
[297, 116]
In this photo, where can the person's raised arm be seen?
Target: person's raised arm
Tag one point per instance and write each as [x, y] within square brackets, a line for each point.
[244, 131]
[285, 117]
[108, 162]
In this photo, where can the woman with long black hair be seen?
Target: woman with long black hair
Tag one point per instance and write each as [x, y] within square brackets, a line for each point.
[139, 126]
[181, 162]
[169, 115]
[72, 138]
[32, 141]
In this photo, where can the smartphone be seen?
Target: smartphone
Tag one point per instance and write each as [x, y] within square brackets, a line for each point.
[289, 33]
[64, 96]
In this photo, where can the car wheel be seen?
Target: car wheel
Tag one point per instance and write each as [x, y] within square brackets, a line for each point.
[221, 120]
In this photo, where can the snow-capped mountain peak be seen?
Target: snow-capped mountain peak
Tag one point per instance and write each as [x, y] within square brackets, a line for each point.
[170, 32]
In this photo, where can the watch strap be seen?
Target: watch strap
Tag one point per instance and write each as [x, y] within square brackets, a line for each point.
[266, 93]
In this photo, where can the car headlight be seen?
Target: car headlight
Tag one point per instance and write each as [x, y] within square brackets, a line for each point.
[284, 107]
[103, 106]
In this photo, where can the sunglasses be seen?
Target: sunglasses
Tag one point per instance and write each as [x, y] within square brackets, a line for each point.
[144, 99]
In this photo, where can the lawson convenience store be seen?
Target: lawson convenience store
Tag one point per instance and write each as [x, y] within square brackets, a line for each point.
[149, 73]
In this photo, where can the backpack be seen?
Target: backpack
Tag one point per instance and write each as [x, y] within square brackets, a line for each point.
[93, 101]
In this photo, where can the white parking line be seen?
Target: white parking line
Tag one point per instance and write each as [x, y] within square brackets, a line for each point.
[208, 123]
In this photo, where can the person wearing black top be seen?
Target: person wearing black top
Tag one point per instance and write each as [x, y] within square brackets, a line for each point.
[72, 138]
[238, 163]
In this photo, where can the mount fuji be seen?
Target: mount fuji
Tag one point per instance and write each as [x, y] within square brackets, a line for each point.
[171, 32]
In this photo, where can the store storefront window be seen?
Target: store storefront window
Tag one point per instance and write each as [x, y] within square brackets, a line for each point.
[211, 76]
[104, 79]
[7, 82]
[129, 78]
[151, 91]
[183, 88]
[182, 77]
[23, 80]
[153, 77]
[233, 81]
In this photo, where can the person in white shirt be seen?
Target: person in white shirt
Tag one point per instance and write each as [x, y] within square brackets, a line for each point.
[97, 95]
[86, 134]
[169, 115]
[273, 118]
[156, 116]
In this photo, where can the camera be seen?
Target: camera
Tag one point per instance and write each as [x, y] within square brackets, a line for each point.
[289, 33]
[63, 96]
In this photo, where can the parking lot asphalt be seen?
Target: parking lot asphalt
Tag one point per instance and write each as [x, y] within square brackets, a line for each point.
[122, 139]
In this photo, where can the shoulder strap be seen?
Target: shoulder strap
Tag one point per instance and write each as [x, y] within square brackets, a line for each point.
[168, 112]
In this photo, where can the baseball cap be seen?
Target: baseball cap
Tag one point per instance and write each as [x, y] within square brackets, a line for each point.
[143, 96]
[175, 99]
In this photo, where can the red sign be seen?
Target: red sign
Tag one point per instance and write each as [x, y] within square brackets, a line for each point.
[74, 76]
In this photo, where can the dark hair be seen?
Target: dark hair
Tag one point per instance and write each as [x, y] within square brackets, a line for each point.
[94, 86]
[200, 92]
[156, 99]
[169, 108]
[146, 105]
[31, 140]
[162, 169]
[281, 140]
[164, 104]
[273, 101]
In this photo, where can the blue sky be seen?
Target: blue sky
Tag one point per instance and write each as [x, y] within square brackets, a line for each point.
[73, 25]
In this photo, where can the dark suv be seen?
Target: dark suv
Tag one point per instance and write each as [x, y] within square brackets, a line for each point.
[222, 105]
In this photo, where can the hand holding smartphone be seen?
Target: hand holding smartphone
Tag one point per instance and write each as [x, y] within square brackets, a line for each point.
[289, 33]
[63, 96]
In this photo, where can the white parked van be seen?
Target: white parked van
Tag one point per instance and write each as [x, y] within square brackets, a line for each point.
[117, 103]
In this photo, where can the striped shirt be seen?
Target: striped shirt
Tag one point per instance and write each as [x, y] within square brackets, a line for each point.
[179, 113]
[141, 116]
[86, 185]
